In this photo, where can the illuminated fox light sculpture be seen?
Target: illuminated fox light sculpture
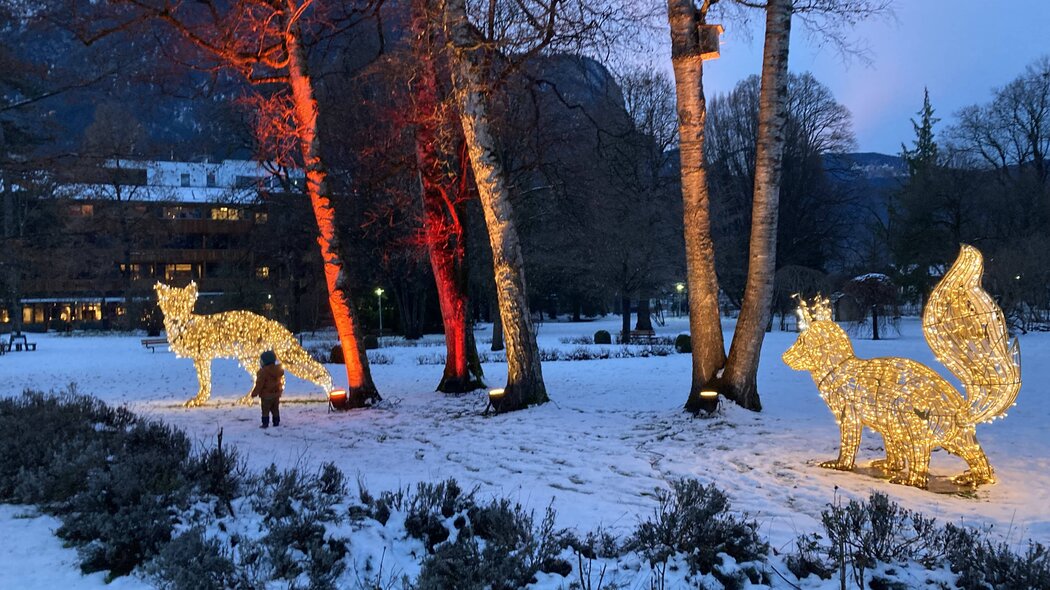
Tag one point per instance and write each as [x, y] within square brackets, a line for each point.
[241, 335]
[909, 404]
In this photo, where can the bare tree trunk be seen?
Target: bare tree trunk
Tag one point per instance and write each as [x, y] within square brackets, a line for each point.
[705, 323]
[469, 66]
[14, 291]
[444, 171]
[742, 367]
[361, 390]
[645, 319]
[625, 319]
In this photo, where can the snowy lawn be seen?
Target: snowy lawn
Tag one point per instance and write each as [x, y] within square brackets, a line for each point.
[613, 433]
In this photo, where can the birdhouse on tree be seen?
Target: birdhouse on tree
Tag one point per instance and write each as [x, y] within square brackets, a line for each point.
[709, 39]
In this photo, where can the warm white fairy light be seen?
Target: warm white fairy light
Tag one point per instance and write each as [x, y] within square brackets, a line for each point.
[241, 335]
[910, 405]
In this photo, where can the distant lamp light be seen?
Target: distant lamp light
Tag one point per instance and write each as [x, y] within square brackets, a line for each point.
[679, 287]
[379, 296]
[337, 400]
[495, 400]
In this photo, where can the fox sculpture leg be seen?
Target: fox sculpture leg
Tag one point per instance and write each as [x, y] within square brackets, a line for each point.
[203, 367]
[966, 446]
[894, 460]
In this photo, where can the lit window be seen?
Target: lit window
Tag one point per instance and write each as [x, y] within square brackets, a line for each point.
[81, 210]
[181, 213]
[262, 272]
[174, 271]
[226, 213]
[261, 217]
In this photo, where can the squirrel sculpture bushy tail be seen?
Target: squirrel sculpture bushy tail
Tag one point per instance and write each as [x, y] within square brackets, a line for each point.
[967, 332]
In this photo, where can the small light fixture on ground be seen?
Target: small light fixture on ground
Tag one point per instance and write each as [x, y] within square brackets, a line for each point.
[337, 400]
[709, 401]
[495, 400]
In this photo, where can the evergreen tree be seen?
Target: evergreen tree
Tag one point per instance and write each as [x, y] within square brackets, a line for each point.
[917, 236]
[923, 158]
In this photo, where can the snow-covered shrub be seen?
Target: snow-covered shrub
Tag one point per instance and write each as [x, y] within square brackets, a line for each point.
[282, 494]
[602, 337]
[809, 558]
[297, 546]
[295, 507]
[193, 561]
[49, 443]
[219, 472]
[378, 358]
[695, 520]
[981, 563]
[862, 534]
[499, 547]
[577, 340]
[683, 343]
[431, 507]
[595, 544]
[127, 508]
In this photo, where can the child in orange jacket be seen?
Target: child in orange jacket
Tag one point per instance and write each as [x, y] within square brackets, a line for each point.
[269, 384]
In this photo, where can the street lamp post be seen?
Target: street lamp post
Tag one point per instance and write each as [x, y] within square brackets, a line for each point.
[379, 295]
[681, 289]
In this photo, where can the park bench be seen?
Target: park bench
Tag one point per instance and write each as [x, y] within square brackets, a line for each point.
[153, 343]
[638, 335]
[13, 343]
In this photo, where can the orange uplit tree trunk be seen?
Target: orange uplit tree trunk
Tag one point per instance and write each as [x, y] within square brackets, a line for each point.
[361, 390]
[446, 184]
[263, 40]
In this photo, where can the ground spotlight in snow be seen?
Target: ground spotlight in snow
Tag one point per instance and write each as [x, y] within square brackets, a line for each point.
[337, 400]
[495, 400]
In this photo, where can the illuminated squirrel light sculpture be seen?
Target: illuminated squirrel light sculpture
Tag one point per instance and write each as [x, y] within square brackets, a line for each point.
[241, 335]
[910, 405]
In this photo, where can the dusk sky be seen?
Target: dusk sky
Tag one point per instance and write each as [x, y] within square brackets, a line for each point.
[960, 49]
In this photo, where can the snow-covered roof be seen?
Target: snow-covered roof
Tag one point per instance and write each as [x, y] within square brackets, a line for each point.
[873, 276]
[185, 182]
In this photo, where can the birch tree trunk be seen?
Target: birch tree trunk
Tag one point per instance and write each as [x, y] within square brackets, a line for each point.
[705, 325]
[361, 391]
[469, 66]
[446, 183]
[740, 377]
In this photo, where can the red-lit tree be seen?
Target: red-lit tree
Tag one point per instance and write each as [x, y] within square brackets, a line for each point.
[266, 41]
[446, 184]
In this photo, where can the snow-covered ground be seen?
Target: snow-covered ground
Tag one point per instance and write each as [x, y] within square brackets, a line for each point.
[613, 433]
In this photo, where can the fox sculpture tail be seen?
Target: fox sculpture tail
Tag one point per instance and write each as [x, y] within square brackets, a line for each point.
[967, 332]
